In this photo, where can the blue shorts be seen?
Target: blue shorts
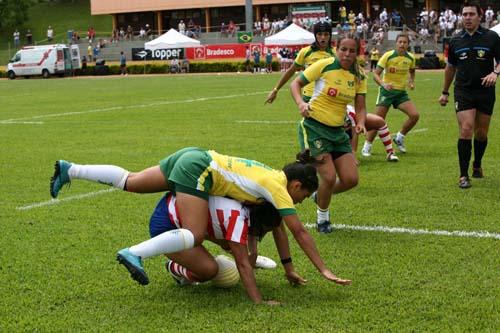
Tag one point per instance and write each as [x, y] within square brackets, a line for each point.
[160, 220]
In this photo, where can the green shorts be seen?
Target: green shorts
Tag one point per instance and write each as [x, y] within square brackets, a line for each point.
[188, 171]
[392, 97]
[320, 138]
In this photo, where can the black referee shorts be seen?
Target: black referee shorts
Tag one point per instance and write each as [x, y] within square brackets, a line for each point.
[483, 100]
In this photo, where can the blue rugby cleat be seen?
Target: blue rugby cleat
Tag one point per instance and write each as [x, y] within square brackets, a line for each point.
[60, 177]
[133, 264]
[324, 227]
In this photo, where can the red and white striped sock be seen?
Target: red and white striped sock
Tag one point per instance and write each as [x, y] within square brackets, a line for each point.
[385, 137]
[179, 271]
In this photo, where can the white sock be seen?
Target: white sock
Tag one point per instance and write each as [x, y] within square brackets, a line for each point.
[105, 174]
[400, 136]
[168, 242]
[367, 145]
[322, 215]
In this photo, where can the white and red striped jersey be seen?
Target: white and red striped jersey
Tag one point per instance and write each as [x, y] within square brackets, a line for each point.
[350, 117]
[228, 219]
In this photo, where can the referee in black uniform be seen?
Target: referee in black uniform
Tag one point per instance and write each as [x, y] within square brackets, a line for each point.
[471, 57]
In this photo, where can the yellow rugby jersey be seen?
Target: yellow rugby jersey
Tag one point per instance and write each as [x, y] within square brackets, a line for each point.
[334, 88]
[396, 68]
[374, 54]
[309, 55]
[249, 181]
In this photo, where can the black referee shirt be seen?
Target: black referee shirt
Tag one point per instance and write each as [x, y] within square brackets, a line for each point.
[473, 56]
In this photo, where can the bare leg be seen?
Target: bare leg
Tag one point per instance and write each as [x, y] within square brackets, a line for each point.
[411, 111]
[198, 261]
[347, 173]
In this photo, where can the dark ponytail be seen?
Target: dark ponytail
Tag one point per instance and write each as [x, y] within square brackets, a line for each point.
[303, 170]
[263, 218]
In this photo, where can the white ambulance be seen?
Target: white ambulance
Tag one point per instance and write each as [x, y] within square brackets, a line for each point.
[44, 60]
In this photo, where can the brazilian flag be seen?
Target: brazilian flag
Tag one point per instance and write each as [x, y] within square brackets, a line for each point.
[245, 37]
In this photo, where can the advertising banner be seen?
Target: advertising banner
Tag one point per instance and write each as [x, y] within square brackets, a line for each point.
[164, 54]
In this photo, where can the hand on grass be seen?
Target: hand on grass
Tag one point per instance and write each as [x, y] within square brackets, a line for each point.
[332, 277]
[295, 279]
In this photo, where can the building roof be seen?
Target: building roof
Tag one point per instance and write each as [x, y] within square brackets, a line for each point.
[99, 7]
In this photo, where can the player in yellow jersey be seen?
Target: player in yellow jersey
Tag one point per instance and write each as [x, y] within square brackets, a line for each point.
[193, 174]
[374, 58]
[320, 49]
[337, 82]
[396, 65]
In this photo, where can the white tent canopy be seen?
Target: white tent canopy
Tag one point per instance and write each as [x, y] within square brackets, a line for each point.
[172, 39]
[292, 35]
[496, 28]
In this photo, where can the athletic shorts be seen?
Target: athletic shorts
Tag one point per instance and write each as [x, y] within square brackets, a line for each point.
[391, 97]
[483, 100]
[188, 171]
[160, 220]
[320, 138]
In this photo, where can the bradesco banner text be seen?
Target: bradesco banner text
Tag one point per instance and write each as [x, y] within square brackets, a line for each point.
[163, 54]
[221, 51]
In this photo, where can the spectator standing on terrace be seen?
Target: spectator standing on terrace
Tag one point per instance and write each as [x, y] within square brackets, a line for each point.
[384, 18]
[182, 27]
[142, 33]
[17, 38]
[223, 30]
[257, 26]
[90, 34]
[231, 30]
[29, 37]
[130, 32]
[148, 31]
[489, 14]
[395, 18]
[50, 34]
[89, 52]
[342, 14]
[471, 62]
[266, 25]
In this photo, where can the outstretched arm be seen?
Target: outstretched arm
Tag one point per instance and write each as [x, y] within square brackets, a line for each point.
[282, 245]
[283, 80]
[307, 244]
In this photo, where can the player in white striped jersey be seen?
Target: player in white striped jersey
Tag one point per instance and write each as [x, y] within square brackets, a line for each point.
[233, 226]
[372, 122]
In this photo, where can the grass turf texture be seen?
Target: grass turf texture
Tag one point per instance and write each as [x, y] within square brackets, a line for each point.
[58, 262]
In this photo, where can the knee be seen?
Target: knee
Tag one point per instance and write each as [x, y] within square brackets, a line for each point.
[328, 180]
[480, 134]
[208, 270]
[350, 181]
[466, 131]
[415, 117]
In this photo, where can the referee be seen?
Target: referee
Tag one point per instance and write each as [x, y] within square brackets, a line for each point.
[471, 57]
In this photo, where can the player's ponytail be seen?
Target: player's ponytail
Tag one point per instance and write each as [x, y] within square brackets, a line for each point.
[303, 170]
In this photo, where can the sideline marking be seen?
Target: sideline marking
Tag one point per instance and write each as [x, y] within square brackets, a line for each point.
[125, 107]
[58, 201]
[399, 230]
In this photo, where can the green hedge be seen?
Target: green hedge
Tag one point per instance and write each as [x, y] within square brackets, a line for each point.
[198, 67]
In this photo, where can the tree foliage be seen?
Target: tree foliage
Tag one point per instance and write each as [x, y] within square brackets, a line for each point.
[13, 13]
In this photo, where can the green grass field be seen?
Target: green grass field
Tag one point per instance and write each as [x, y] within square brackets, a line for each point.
[57, 259]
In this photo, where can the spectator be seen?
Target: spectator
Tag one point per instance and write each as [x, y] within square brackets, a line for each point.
[266, 25]
[269, 61]
[383, 17]
[191, 28]
[256, 60]
[123, 64]
[396, 18]
[223, 30]
[84, 62]
[174, 66]
[122, 33]
[374, 57]
[148, 31]
[142, 33]
[342, 14]
[95, 52]
[16, 36]
[182, 27]
[489, 14]
[424, 34]
[50, 34]
[185, 65]
[29, 37]
[89, 52]
[114, 36]
[257, 27]
[351, 18]
[90, 34]
[231, 28]
[130, 32]
[75, 37]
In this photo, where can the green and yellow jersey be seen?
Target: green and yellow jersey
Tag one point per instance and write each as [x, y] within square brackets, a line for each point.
[334, 88]
[249, 181]
[396, 68]
[374, 55]
[307, 56]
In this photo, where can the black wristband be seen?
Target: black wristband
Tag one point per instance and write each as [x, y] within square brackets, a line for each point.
[497, 73]
[445, 93]
[286, 261]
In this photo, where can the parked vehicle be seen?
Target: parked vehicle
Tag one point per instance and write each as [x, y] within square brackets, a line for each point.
[44, 60]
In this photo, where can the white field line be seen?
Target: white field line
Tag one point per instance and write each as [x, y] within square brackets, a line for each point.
[125, 107]
[398, 230]
[58, 201]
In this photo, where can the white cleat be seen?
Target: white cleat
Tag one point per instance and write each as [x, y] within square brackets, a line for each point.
[391, 157]
[265, 263]
[366, 151]
[400, 144]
